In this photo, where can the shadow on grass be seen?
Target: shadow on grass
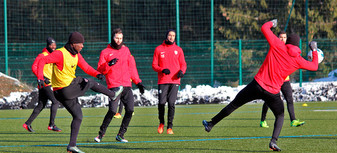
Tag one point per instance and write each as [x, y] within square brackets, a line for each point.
[177, 126]
[32, 136]
[25, 141]
[195, 149]
[21, 151]
[25, 150]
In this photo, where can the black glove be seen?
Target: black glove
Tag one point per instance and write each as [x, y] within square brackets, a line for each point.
[180, 74]
[40, 84]
[313, 45]
[141, 87]
[166, 71]
[46, 80]
[113, 62]
[100, 77]
[274, 23]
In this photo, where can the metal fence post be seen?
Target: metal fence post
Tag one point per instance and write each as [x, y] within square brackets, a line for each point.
[306, 35]
[6, 38]
[291, 9]
[177, 20]
[177, 26]
[109, 21]
[301, 69]
[212, 42]
[240, 62]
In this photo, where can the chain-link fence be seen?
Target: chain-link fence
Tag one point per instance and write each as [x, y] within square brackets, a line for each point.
[223, 44]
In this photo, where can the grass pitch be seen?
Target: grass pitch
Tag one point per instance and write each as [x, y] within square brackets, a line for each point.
[240, 132]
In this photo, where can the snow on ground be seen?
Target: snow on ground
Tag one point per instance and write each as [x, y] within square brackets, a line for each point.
[202, 94]
[332, 76]
[9, 87]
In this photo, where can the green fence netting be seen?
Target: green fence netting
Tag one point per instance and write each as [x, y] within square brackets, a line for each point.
[145, 22]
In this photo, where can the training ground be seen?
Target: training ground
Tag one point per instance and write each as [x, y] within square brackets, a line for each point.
[240, 132]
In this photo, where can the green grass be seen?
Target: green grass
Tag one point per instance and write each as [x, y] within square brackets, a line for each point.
[240, 132]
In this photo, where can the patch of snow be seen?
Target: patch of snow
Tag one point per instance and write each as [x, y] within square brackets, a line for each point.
[201, 94]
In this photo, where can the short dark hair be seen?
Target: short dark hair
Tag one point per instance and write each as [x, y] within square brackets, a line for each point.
[115, 31]
[294, 39]
[281, 32]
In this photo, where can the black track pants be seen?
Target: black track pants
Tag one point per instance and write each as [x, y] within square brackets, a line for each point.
[120, 108]
[167, 93]
[45, 93]
[287, 93]
[126, 97]
[68, 96]
[80, 85]
[251, 92]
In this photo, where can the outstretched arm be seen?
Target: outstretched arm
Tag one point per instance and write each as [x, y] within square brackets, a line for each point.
[311, 66]
[55, 57]
[270, 36]
[86, 67]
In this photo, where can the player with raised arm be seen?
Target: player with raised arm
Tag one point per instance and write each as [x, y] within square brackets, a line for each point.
[281, 60]
[287, 92]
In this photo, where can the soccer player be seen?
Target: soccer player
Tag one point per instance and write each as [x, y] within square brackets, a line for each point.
[281, 60]
[46, 92]
[67, 86]
[118, 65]
[169, 63]
[287, 92]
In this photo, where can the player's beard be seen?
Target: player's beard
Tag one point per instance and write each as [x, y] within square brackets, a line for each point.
[114, 45]
[169, 42]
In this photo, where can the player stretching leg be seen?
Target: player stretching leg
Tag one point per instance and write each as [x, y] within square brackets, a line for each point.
[281, 60]
[67, 87]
